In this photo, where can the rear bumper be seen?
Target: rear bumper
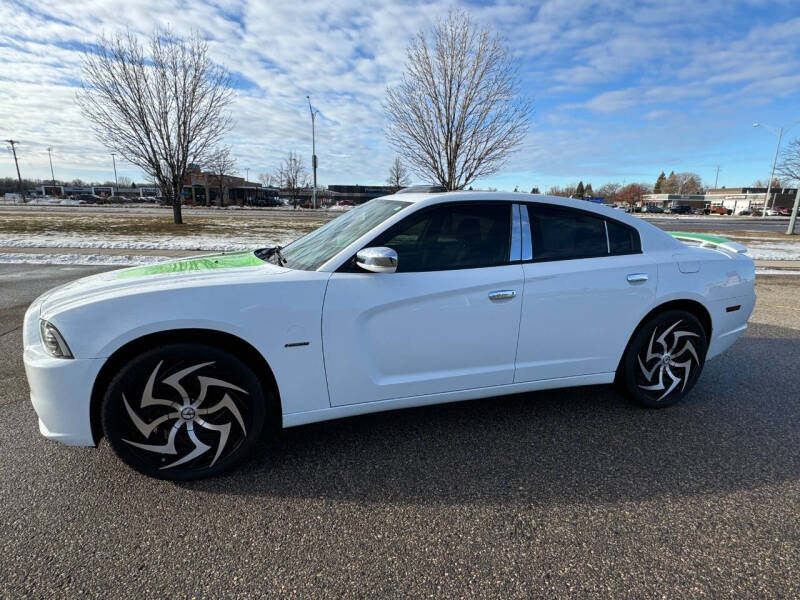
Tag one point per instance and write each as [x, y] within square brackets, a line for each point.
[61, 395]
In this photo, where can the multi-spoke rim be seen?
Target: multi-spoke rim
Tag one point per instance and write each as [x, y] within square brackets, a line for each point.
[668, 362]
[196, 434]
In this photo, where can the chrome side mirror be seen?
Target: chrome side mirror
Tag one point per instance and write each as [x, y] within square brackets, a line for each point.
[377, 260]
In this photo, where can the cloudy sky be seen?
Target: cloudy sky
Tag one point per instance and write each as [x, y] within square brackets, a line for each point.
[622, 89]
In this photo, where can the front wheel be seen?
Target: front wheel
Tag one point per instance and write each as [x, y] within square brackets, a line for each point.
[183, 411]
[664, 359]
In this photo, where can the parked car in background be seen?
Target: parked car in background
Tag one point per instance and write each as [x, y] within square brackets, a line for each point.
[681, 209]
[721, 210]
[744, 212]
[403, 301]
[700, 211]
[91, 198]
[784, 211]
[771, 212]
[652, 208]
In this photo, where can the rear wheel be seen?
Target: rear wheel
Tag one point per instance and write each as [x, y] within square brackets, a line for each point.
[664, 359]
[184, 411]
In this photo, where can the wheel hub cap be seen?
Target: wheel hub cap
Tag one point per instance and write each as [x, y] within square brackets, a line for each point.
[190, 413]
[670, 368]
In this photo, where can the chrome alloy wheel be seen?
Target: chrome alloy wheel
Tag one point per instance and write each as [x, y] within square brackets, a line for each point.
[184, 411]
[667, 362]
[188, 413]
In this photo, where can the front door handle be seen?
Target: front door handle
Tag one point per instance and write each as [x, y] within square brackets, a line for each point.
[502, 294]
[637, 277]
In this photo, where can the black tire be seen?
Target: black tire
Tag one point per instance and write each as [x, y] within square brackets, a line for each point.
[161, 432]
[664, 359]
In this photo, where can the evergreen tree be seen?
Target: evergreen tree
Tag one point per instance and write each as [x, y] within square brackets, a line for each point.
[580, 190]
[671, 184]
[658, 187]
[534, 190]
[589, 191]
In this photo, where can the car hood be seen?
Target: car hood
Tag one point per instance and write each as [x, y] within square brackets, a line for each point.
[187, 272]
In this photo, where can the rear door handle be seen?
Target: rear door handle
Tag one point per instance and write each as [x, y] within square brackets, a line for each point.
[502, 294]
[637, 277]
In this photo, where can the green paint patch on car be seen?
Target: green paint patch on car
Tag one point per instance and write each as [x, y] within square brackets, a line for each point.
[699, 237]
[200, 263]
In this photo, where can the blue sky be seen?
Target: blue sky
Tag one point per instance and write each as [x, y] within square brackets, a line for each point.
[621, 89]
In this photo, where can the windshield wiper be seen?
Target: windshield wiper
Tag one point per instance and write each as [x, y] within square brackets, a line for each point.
[268, 253]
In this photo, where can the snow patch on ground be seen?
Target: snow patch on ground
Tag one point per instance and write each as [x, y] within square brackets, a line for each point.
[222, 243]
[79, 259]
[773, 250]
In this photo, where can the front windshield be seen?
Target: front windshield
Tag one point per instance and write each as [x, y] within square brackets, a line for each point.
[313, 250]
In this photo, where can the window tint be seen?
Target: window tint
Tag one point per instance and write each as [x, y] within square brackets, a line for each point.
[562, 234]
[623, 239]
[451, 236]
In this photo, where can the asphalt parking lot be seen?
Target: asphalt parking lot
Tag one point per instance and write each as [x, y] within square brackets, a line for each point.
[569, 493]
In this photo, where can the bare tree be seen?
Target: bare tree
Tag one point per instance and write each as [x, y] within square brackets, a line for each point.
[398, 174]
[222, 165]
[762, 183]
[293, 176]
[632, 193]
[456, 115]
[789, 167]
[682, 183]
[609, 191]
[269, 179]
[566, 192]
[162, 109]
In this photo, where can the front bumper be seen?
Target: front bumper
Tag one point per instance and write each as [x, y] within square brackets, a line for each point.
[61, 392]
[61, 388]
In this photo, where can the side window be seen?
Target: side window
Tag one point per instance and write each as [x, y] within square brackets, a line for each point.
[451, 236]
[563, 234]
[622, 239]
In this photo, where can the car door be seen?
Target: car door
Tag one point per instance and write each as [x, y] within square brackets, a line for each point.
[587, 286]
[446, 320]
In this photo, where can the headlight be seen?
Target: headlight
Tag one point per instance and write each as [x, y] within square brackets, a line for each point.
[53, 341]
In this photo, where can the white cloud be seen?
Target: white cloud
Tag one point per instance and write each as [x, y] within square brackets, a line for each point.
[583, 61]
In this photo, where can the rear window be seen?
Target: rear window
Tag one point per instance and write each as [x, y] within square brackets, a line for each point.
[563, 234]
[560, 233]
[621, 238]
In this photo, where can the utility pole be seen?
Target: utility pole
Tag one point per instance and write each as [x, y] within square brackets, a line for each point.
[772, 173]
[247, 174]
[114, 160]
[50, 156]
[780, 131]
[716, 178]
[16, 162]
[313, 152]
[793, 220]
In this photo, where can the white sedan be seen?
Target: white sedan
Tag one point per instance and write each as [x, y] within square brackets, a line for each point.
[406, 300]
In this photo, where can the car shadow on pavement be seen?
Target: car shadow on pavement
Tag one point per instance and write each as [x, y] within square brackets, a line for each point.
[739, 429]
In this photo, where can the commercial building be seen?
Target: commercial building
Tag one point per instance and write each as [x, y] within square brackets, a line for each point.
[734, 199]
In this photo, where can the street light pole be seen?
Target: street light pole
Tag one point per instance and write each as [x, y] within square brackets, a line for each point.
[780, 131]
[772, 173]
[16, 162]
[313, 152]
[114, 160]
[793, 220]
[50, 156]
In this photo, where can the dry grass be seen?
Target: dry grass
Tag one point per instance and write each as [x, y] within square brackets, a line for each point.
[105, 225]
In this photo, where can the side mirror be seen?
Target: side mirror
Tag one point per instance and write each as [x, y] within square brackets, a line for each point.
[377, 260]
